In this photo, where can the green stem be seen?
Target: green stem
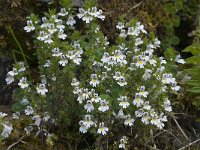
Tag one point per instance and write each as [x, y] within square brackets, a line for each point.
[22, 52]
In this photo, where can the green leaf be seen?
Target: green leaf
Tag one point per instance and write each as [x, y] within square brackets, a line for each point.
[193, 60]
[176, 21]
[17, 107]
[175, 40]
[194, 49]
[195, 90]
[178, 4]
[169, 54]
[169, 8]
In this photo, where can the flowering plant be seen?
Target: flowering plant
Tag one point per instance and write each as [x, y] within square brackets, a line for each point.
[86, 80]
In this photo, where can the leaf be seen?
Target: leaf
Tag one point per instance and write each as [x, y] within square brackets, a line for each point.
[178, 5]
[193, 59]
[169, 8]
[194, 49]
[17, 107]
[175, 40]
[176, 21]
[195, 90]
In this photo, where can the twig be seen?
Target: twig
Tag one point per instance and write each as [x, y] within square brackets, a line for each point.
[180, 128]
[137, 5]
[189, 144]
[12, 145]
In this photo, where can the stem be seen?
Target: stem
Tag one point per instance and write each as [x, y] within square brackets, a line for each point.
[22, 52]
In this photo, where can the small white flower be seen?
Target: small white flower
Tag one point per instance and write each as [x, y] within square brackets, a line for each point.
[10, 79]
[29, 110]
[23, 83]
[16, 115]
[89, 106]
[48, 63]
[138, 101]
[102, 129]
[123, 33]
[63, 60]
[13, 72]
[140, 62]
[30, 27]
[123, 142]
[179, 60]
[3, 114]
[96, 98]
[7, 129]
[129, 121]
[71, 21]
[94, 80]
[63, 12]
[41, 89]
[142, 91]
[37, 120]
[146, 118]
[87, 17]
[62, 35]
[104, 106]
[123, 101]
[75, 82]
[24, 101]
[120, 25]
[122, 81]
[82, 127]
[167, 105]
[28, 130]
[56, 52]
[87, 122]
[120, 114]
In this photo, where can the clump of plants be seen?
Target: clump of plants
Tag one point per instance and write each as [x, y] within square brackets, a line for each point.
[86, 85]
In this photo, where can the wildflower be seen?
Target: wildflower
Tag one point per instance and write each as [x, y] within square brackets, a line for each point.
[123, 142]
[3, 114]
[29, 110]
[129, 121]
[120, 114]
[7, 129]
[138, 101]
[104, 106]
[146, 105]
[120, 25]
[48, 63]
[13, 72]
[167, 105]
[82, 127]
[123, 33]
[87, 17]
[24, 101]
[122, 81]
[62, 35]
[75, 82]
[143, 92]
[86, 93]
[71, 21]
[16, 115]
[22, 83]
[81, 13]
[94, 80]
[146, 118]
[147, 74]
[96, 98]
[41, 89]
[46, 116]
[179, 60]
[63, 60]
[89, 106]
[48, 40]
[88, 121]
[42, 36]
[51, 28]
[30, 27]
[117, 75]
[9, 79]
[123, 101]
[56, 52]
[28, 130]
[174, 86]
[37, 120]
[105, 57]
[138, 41]
[102, 129]
[63, 12]
[140, 62]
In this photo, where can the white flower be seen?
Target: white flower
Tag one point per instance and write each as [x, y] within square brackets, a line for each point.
[120, 25]
[96, 98]
[87, 17]
[139, 112]
[147, 74]
[82, 127]
[138, 41]
[87, 122]
[9, 79]
[123, 33]
[24, 101]
[48, 40]
[61, 35]
[22, 83]
[123, 101]
[104, 106]
[63, 12]
[123, 142]
[56, 52]
[129, 121]
[13, 72]
[117, 75]
[120, 114]
[76, 59]
[37, 120]
[51, 28]
[105, 57]
[89, 106]
[63, 60]
[179, 60]
[29, 26]
[71, 21]
[3, 114]
[42, 36]
[146, 106]
[29, 110]
[48, 63]
[138, 101]
[41, 89]
[16, 115]
[7, 129]
[142, 91]
[146, 118]
[140, 62]
[102, 129]
[28, 130]
[94, 80]
[122, 81]
[75, 82]
[167, 105]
